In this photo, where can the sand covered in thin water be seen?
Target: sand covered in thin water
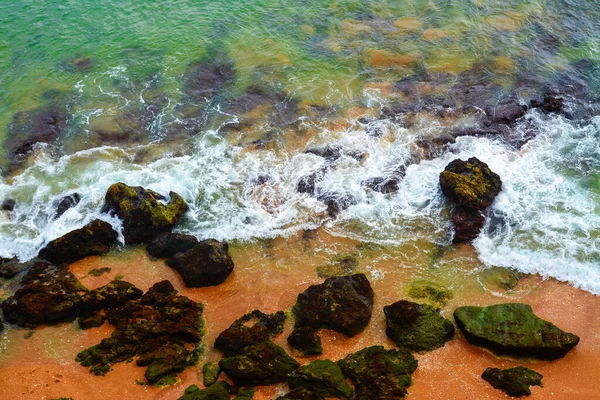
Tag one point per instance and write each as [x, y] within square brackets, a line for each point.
[268, 276]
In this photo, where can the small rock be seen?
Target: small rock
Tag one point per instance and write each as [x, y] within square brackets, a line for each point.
[167, 244]
[324, 378]
[306, 341]
[340, 265]
[433, 292]
[513, 381]
[8, 205]
[218, 391]
[210, 373]
[252, 328]
[67, 202]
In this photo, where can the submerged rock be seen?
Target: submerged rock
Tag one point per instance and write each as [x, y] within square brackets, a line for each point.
[218, 391]
[513, 381]
[323, 378]
[78, 63]
[306, 341]
[159, 328]
[49, 295]
[142, 214]
[506, 112]
[501, 278]
[417, 327]
[65, 203]
[379, 374]
[340, 265]
[437, 294]
[513, 329]
[254, 327]
[208, 263]
[8, 205]
[204, 80]
[93, 305]
[467, 224]
[262, 363]
[167, 244]
[94, 239]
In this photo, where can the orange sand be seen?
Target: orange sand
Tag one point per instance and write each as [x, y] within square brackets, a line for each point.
[268, 276]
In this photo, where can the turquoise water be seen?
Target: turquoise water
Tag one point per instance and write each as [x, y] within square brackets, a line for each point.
[129, 117]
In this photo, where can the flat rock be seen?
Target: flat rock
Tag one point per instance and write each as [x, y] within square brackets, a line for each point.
[513, 381]
[206, 264]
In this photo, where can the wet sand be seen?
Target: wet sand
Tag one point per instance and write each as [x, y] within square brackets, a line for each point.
[268, 276]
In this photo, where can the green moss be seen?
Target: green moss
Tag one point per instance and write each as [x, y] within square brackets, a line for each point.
[245, 394]
[218, 391]
[470, 183]
[210, 373]
[324, 378]
[437, 294]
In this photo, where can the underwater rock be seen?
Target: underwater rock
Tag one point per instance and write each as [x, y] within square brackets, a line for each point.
[167, 244]
[8, 205]
[513, 329]
[210, 373]
[306, 341]
[263, 363]
[142, 214]
[513, 381]
[78, 64]
[550, 104]
[383, 185]
[379, 374]
[343, 304]
[340, 265]
[205, 79]
[424, 290]
[417, 327]
[218, 391]
[467, 224]
[49, 295]
[506, 112]
[65, 203]
[252, 328]
[501, 278]
[335, 202]
[91, 309]
[307, 184]
[94, 239]
[471, 184]
[323, 378]
[160, 327]
[206, 264]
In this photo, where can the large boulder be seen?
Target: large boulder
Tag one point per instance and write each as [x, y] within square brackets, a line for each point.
[167, 244]
[513, 381]
[49, 295]
[379, 374]
[206, 264]
[143, 214]
[94, 239]
[417, 327]
[264, 363]
[471, 184]
[323, 378]
[252, 328]
[513, 329]
[94, 304]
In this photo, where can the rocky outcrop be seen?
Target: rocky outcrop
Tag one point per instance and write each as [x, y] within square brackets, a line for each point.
[254, 327]
[94, 239]
[417, 327]
[49, 295]
[513, 381]
[143, 214]
[322, 378]
[513, 329]
[167, 244]
[379, 374]
[206, 264]
[92, 310]
[161, 328]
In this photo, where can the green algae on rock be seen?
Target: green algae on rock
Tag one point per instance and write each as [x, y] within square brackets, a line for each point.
[210, 373]
[162, 329]
[437, 294]
[513, 381]
[379, 374]
[167, 244]
[306, 341]
[92, 309]
[512, 329]
[263, 363]
[340, 265]
[501, 278]
[252, 328]
[218, 391]
[417, 327]
[245, 394]
[94, 239]
[142, 214]
[324, 378]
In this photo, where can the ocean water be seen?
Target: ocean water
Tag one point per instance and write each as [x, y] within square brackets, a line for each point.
[306, 76]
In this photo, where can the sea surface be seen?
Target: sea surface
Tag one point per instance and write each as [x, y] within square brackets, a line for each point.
[374, 82]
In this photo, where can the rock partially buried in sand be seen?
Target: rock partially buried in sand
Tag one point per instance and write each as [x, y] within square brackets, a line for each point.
[379, 374]
[218, 391]
[142, 214]
[206, 264]
[94, 239]
[92, 308]
[513, 381]
[513, 329]
[471, 184]
[417, 327]
[323, 378]
[167, 244]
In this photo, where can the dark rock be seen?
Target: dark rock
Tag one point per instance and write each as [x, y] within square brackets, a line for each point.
[379, 374]
[330, 153]
[513, 381]
[513, 329]
[299, 394]
[78, 64]
[263, 363]
[160, 327]
[218, 391]
[383, 185]
[93, 303]
[10, 268]
[167, 244]
[343, 304]
[67, 202]
[99, 271]
[551, 103]
[94, 239]
[142, 214]
[8, 205]
[210, 373]
[308, 184]
[306, 341]
[49, 295]
[470, 183]
[245, 394]
[417, 327]
[335, 202]
[204, 80]
[254, 327]
[324, 378]
[206, 264]
[506, 112]
[467, 224]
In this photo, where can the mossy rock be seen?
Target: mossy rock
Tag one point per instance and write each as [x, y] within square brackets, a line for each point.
[218, 391]
[513, 381]
[417, 327]
[340, 265]
[93, 303]
[306, 341]
[263, 363]
[471, 184]
[208, 263]
[436, 294]
[513, 329]
[324, 378]
[252, 328]
[379, 374]
[245, 394]
[501, 278]
[210, 373]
